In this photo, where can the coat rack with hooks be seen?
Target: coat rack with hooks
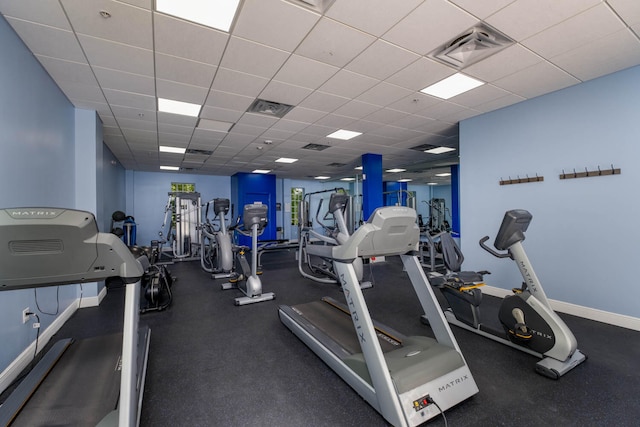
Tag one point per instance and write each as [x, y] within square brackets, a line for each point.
[589, 173]
[519, 180]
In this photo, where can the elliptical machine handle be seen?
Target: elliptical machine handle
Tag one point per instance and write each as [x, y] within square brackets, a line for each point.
[491, 251]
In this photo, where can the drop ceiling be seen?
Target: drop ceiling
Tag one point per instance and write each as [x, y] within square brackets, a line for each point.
[359, 65]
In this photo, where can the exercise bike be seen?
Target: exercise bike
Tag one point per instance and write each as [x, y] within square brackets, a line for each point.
[254, 220]
[216, 253]
[529, 323]
[322, 271]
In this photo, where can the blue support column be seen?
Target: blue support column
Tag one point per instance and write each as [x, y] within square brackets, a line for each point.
[371, 183]
[394, 193]
[455, 199]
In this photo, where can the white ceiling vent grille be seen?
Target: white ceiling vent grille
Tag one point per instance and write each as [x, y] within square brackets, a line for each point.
[316, 147]
[269, 108]
[319, 6]
[473, 45]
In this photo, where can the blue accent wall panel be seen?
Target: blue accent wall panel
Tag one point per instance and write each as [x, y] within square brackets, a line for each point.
[248, 188]
[371, 184]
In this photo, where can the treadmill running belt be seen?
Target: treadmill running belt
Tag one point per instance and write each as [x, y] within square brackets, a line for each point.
[82, 389]
[339, 326]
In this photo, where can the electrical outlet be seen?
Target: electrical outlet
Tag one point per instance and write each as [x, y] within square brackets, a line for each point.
[25, 316]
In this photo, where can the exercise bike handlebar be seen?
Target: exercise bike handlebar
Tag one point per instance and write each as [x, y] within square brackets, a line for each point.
[491, 251]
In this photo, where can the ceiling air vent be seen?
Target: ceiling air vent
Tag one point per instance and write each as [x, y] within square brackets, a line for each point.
[424, 147]
[199, 152]
[269, 108]
[319, 6]
[473, 45]
[337, 165]
[315, 147]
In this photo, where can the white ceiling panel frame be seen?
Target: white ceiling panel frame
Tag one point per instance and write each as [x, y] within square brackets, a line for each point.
[181, 92]
[117, 56]
[431, 24]
[48, 41]
[349, 84]
[369, 63]
[127, 24]
[132, 100]
[356, 109]
[420, 74]
[184, 70]
[123, 81]
[196, 42]
[372, 16]
[237, 82]
[257, 17]
[220, 114]
[536, 80]
[601, 56]
[305, 72]
[62, 70]
[482, 9]
[384, 94]
[284, 93]
[570, 34]
[326, 43]
[253, 58]
[522, 19]
[229, 101]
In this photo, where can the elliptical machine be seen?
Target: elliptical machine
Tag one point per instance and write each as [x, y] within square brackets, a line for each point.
[216, 253]
[529, 322]
[254, 220]
[308, 252]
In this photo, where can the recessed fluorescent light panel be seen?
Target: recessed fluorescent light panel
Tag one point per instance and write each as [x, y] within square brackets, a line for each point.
[286, 160]
[218, 14]
[262, 171]
[452, 86]
[169, 168]
[344, 134]
[168, 149]
[178, 107]
[439, 150]
[432, 183]
[405, 180]
[443, 174]
[358, 168]
[322, 177]
[396, 170]
[347, 179]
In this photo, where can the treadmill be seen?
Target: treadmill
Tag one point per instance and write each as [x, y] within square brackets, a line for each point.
[409, 380]
[97, 381]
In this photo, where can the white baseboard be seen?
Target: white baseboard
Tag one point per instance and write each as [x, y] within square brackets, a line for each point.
[578, 310]
[22, 361]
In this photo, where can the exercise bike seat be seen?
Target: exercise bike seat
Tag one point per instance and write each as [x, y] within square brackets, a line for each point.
[453, 258]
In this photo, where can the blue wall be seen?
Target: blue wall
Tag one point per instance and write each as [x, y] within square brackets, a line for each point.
[37, 168]
[583, 240]
[147, 195]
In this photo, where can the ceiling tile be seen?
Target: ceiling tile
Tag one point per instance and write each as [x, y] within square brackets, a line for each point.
[196, 42]
[414, 103]
[346, 83]
[508, 61]
[117, 56]
[229, 101]
[180, 92]
[61, 70]
[46, 12]
[48, 41]
[522, 19]
[184, 71]
[575, 32]
[257, 17]
[628, 10]
[326, 43]
[220, 114]
[305, 72]
[356, 109]
[79, 91]
[236, 82]
[482, 9]
[372, 16]
[253, 58]
[420, 74]
[602, 56]
[323, 101]
[127, 82]
[431, 24]
[536, 80]
[129, 99]
[369, 63]
[284, 93]
[127, 24]
[383, 94]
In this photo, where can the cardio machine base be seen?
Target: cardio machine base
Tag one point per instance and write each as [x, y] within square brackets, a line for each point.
[548, 366]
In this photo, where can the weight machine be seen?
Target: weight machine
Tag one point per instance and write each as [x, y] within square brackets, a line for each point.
[183, 212]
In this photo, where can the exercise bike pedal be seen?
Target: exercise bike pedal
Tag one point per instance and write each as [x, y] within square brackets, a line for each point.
[521, 333]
